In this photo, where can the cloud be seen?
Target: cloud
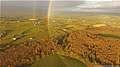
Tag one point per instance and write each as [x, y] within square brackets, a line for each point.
[103, 6]
[100, 5]
[64, 5]
[41, 0]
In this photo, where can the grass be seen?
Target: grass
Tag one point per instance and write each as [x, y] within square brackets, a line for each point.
[23, 28]
[110, 35]
[58, 61]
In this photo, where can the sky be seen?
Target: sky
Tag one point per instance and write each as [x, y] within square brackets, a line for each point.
[102, 6]
[105, 6]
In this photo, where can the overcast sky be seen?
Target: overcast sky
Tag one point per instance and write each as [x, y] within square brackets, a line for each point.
[99, 6]
[107, 6]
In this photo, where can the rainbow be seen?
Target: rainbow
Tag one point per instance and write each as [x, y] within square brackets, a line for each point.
[48, 17]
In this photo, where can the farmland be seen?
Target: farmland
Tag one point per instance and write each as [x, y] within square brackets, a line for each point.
[88, 39]
[27, 30]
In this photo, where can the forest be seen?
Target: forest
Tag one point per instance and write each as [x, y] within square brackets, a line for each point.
[87, 43]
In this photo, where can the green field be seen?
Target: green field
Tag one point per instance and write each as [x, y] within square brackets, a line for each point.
[22, 31]
[25, 30]
[58, 61]
[110, 35]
